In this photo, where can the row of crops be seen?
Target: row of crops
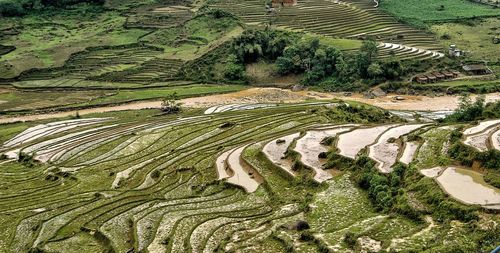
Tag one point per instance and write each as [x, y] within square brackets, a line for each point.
[352, 19]
[201, 183]
[132, 63]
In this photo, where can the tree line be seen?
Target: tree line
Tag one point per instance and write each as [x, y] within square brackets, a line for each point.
[319, 64]
[12, 8]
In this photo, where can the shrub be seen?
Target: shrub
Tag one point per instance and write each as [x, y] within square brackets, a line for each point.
[11, 8]
[446, 36]
[350, 239]
[155, 174]
[469, 110]
[306, 236]
[170, 104]
[234, 70]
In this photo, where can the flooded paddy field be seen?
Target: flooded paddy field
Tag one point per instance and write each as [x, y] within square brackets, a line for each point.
[232, 180]
[469, 187]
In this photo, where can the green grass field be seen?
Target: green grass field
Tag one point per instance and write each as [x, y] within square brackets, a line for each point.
[428, 11]
[48, 41]
[35, 100]
[477, 38]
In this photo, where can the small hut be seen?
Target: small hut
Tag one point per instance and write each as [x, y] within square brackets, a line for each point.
[439, 75]
[448, 75]
[421, 79]
[453, 51]
[431, 78]
[476, 69]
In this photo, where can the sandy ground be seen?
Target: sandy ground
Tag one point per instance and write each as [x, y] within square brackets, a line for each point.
[269, 95]
[415, 103]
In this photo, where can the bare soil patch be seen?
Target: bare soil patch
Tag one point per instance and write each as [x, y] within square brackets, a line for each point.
[269, 95]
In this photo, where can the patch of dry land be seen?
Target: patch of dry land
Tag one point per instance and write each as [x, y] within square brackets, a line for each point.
[271, 95]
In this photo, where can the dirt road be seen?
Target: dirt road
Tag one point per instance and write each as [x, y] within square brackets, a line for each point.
[269, 95]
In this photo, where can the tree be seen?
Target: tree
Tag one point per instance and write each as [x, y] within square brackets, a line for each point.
[366, 56]
[370, 50]
[392, 68]
[468, 110]
[234, 70]
[11, 8]
[374, 70]
[170, 104]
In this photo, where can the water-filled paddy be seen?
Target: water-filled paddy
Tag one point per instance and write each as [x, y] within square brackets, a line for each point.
[469, 187]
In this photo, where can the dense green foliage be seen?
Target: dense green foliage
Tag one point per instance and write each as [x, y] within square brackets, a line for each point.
[310, 57]
[399, 191]
[467, 155]
[317, 62]
[267, 44]
[470, 110]
[334, 70]
[21, 7]
[359, 113]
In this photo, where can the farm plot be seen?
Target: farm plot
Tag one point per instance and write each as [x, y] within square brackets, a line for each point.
[409, 152]
[328, 18]
[386, 150]
[351, 143]
[48, 41]
[469, 187]
[96, 61]
[495, 140]
[162, 155]
[427, 11]
[276, 149]
[483, 136]
[192, 182]
[310, 148]
[242, 107]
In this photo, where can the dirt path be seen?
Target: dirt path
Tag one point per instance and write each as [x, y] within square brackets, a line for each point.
[413, 103]
[268, 95]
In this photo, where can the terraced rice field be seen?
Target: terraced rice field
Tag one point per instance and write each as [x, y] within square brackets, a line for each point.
[483, 136]
[385, 151]
[130, 64]
[468, 186]
[349, 19]
[195, 183]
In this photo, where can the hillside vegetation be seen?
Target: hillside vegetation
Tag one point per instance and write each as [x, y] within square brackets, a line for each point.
[421, 12]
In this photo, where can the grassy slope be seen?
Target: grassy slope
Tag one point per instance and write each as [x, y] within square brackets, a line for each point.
[16, 100]
[422, 11]
[48, 40]
[195, 37]
[477, 39]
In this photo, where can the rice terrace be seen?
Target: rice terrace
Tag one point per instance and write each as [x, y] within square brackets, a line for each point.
[249, 126]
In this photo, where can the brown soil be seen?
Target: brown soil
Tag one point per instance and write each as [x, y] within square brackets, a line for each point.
[270, 95]
[420, 103]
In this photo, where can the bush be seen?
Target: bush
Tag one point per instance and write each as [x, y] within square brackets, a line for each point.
[255, 44]
[474, 110]
[234, 70]
[346, 113]
[446, 36]
[11, 8]
[350, 239]
[170, 105]
[306, 236]
[467, 155]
